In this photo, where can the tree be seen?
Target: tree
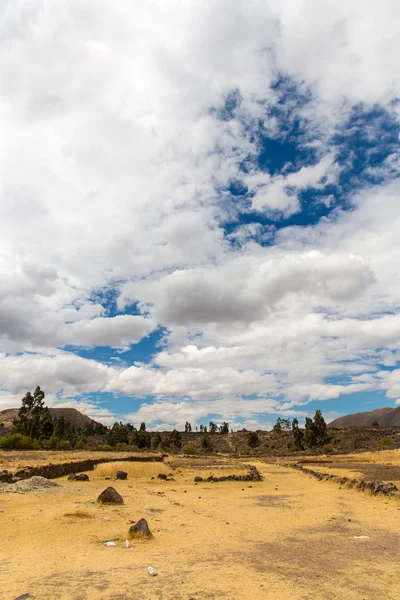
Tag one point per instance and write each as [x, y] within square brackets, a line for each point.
[176, 438]
[298, 435]
[205, 442]
[253, 439]
[213, 428]
[188, 427]
[34, 419]
[59, 428]
[156, 440]
[224, 428]
[282, 424]
[316, 430]
[142, 427]
[117, 435]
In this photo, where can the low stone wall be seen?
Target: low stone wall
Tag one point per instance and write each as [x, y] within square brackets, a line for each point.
[252, 475]
[52, 471]
[375, 487]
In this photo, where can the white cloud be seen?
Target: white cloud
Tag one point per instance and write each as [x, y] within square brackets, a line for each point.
[114, 169]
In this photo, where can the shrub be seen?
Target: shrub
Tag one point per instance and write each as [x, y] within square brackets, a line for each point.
[80, 445]
[327, 448]
[16, 441]
[103, 448]
[121, 447]
[36, 445]
[386, 442]
[64, 445]
[188, 449]
[253, 439]
[293, 448]
[206, 442]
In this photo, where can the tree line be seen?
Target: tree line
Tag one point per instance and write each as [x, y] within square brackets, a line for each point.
[34, 427]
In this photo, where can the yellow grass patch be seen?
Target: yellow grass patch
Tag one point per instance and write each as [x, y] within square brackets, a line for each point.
[134, 469]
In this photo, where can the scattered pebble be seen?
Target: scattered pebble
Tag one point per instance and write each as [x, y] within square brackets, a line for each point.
[110, 544]
[361, 537]
[152, 571]
[127, 544]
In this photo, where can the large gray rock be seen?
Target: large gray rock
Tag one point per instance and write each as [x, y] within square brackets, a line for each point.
[110, 496]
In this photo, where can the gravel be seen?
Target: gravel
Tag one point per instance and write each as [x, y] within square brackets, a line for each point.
[34, 484]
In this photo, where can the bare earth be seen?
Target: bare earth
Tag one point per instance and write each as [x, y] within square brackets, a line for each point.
[288, 537]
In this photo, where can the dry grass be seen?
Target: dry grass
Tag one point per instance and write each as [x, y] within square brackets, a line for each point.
[381, 457]
[78, 514]
[134, 469]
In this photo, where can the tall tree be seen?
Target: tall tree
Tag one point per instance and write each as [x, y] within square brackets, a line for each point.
[34, 417]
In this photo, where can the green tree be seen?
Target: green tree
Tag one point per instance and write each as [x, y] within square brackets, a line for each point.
[142, 427]
[34, 419]
[206, 442]
[224, 428]
[176, 438]
[156, 440]
[212, 427]
[253, 439]
[188, 427]
[59, 428]
[282, 424]
[316, 430]
[298, 435]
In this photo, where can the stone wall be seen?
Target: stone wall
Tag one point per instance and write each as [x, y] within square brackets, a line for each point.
[52, 471]
[375, 487]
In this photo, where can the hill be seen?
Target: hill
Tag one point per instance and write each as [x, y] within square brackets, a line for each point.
[76, 418]
[385, 417]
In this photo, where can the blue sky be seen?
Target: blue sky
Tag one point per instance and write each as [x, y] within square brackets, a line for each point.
[201, 209]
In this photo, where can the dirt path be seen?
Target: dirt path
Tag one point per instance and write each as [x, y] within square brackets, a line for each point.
[288, 537]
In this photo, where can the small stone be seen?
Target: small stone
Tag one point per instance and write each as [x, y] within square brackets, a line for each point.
[162, 476]
[82, 477]
[110, 496]
[72, 477]
[197, 479]
[140, 529]
[122, 474]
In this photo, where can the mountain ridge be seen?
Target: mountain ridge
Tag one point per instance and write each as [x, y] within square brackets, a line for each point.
[385, 417]
[74, 416]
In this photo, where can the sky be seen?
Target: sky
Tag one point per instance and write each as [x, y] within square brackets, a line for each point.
[200, 208]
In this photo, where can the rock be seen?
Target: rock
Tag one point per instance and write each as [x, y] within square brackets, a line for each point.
[151, 571]
[110, 496]
[140, 529]
[162, 476]
[72, 477]
[110, 544]
[122, 474]
[198, 479]
[82, 477]
[24, 597]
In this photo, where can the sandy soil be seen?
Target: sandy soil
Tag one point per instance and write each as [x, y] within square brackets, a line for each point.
[288, 537]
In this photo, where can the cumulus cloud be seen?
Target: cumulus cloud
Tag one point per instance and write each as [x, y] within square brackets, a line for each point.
[125, 129]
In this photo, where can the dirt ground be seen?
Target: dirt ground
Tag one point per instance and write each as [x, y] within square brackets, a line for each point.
[287, 537]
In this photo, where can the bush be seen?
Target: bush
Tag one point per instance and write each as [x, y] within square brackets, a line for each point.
[16, 441]
[103, 448]
[293, 448]
[80, 445]
[253, 439]
[206, 442]
[327, 448]
[386, 442]
[64, 445]
[188, 449]
[121, 447]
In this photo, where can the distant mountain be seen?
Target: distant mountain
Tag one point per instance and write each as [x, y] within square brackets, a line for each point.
[76, 418]
[385, 417]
